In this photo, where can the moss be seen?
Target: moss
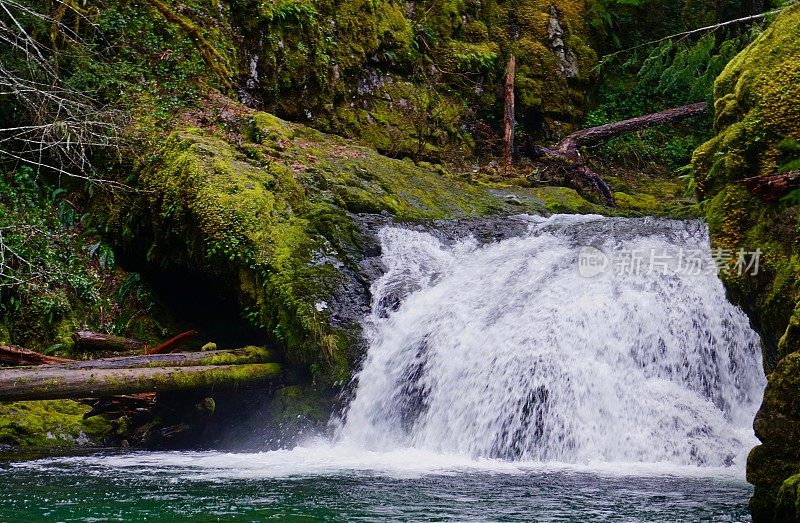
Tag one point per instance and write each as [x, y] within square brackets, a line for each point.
[53, 423]
[228, 376]
[754, 107]
[246, 355]
[297, 409]
[777, 425]
[788, 500]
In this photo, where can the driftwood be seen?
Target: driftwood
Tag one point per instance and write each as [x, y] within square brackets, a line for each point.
[566, 154]
[95, 341]
[173, 343]
[44, 383]
[14, 356]
[773, 188]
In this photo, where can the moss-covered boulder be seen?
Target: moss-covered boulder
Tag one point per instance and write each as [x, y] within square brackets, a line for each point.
[411, 78]
[50, 424]
[788, 501]
[266, 209]
[756, 114]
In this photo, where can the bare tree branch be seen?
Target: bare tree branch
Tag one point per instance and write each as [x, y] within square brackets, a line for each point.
[54, 128]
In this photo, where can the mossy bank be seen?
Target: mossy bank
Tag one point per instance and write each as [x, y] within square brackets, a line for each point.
[757, 120]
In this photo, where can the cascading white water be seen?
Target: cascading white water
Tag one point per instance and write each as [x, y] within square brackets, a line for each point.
[506, 351]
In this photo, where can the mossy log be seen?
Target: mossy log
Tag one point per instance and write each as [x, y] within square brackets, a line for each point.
[178, 359]
[44, 383]
[95, 341]
[566, 154]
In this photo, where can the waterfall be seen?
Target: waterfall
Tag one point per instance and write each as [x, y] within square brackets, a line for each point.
[522, 349]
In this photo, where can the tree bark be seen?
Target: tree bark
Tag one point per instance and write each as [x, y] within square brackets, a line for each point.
[773, 188]
[45, 383]
[508, 114]
[14, 356]
[95, 341]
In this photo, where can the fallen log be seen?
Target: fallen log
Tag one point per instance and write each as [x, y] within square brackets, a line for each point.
[173, 343]
[572, 143]
[14, 356]
[47, 383]
[774, 187]
[95, 341]
[175, 359]
[566, 154]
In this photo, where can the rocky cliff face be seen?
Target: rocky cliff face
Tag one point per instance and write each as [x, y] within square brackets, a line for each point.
[758, 120]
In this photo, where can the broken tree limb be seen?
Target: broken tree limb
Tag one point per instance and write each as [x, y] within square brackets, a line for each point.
[95, 341]
[508, 113]
[173, 343]
[774, 187]
[572, 143]
[14, 356]
[45, 383]
[176, 359]
[566, 154]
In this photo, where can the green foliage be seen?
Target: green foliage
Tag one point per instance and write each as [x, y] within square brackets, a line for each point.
[55, 271]
[44, 266]
[790, 151]
[670, 74]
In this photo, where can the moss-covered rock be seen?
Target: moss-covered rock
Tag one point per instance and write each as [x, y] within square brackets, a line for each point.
[756, 110]
[299, 411]
[265, 207]
[407, 76]
[788, 501]
[50, 424]
[777, 425]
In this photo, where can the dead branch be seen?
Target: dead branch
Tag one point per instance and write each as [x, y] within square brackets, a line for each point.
[173, 343]
[772, 188]
[95, 341]
[13, 356]
[56, 128]
[566, 155]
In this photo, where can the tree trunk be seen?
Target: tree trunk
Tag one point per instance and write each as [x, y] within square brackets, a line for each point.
[508, 114]
[14, 356]
[45, 383]
[176, 359]
[95, 341]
